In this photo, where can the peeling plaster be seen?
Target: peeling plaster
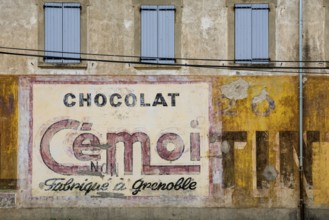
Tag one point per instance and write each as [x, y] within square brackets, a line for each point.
[236, 90]
[206, 23]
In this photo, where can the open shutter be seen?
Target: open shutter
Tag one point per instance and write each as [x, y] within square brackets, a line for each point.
[260, 33]
[71, 32]
[166, 33]
[243, 33]
[149, 47]
[53, 32]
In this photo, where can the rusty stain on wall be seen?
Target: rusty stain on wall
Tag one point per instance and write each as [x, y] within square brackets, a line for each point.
[8, 132]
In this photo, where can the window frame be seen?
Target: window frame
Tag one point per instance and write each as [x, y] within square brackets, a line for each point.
[230, 4]
[177, 29]
[41, 34]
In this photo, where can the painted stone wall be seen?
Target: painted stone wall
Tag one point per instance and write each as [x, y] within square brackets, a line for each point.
[229, 139]
[8, 132]
[316, 140]
[223, 141]
[187, 141]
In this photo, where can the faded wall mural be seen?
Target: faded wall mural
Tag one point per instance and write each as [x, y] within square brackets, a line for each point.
[120, 139]
[154, 141]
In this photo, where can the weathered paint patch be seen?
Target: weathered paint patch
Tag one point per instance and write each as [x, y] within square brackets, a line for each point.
[288, 147]
[262, 151]
[311, 137]
[229, 139]
[270, 107]
[320, 173]
[8, 132]
[316, 113]
[7, 200]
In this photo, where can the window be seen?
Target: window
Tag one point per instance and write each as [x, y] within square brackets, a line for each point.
[161, 21]
[251, 33]
[62, 32]
[158, 33]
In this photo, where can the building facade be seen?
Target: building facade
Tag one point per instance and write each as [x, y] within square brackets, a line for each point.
[163, 104]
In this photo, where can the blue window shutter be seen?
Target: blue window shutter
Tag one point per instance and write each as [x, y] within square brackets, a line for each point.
[149, 33]
[243, 33]
[71, 32]
[53, 32]
[166, 33]
[260, 33]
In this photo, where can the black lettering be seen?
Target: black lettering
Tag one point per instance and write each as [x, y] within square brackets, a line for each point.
[119, 186]
[159, 100]
[105, 186]
[83, 99]
[187, 183]
[93, 167]
[173, 98]
[193, 186]
[181, 184]
[162, 186]
[75, 186]
[142, 100]
[87, 188]
[178, 184]
[137, 186]
[66, 186]
[97, 101]
[57, 187]
[117, 103]
[51, 183]
[147, 185]
[66, 101]
[154, 186]
[170, 186]
[127, 100]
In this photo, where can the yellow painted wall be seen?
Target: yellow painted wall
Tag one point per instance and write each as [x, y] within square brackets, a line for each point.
[284, 117]
[8, 132]
[316, 118]
[238, 115]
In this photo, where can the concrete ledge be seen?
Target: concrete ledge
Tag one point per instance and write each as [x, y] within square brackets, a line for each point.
[317, 214]
[148, 213]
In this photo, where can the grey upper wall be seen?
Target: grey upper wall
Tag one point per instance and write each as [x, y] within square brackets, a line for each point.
[112, 27]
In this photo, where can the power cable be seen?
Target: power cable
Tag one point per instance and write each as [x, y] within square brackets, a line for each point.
[138, 57]
[241, 68]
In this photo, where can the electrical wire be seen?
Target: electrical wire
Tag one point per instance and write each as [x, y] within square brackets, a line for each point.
[138, 57]
[253, 68]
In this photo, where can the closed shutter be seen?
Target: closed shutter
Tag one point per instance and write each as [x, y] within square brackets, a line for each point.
[149, 30]
[166, 34]
[251, 33]
[243, 33]
[53, 32]
[71, 32]
[260, 33]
